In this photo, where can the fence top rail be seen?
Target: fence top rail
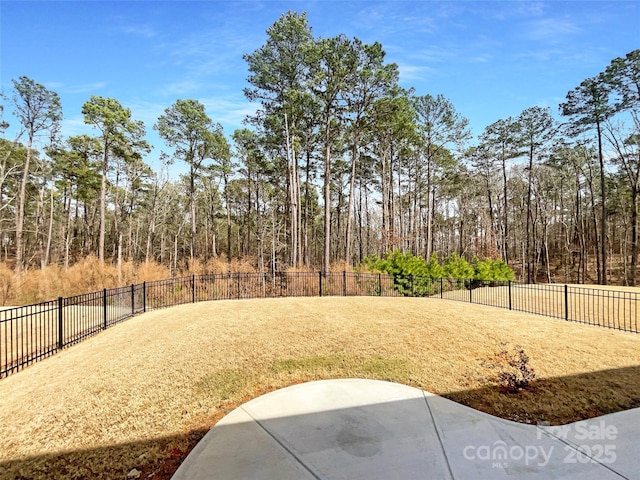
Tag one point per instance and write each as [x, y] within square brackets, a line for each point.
[118, 290]
[605, 290]
[8, 313]
[83, 297]
[12, 313]
[539, 286]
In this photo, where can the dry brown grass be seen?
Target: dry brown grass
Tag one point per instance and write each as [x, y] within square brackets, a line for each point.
[88, 275]
[218, 265]
[144, 390]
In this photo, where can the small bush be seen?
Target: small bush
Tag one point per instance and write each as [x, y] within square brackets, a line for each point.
[492, 270]
[512, 368]
[457, 267]
[434, 269]
[412, 276]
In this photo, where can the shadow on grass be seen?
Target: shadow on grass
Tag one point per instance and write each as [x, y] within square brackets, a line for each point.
[554, 400]
[157, 456]
[559, 400]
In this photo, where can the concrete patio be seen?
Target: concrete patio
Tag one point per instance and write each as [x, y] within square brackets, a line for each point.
[368, 429]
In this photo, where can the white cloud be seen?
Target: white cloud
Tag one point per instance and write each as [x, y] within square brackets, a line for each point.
[229, 112]
[552, 30]
[139, 30]
[413, 72]
[213, 45]
[181, 88]
[53, 85]
[483, 58]
[75, 125]
[561, 56]
[435, 54]
[515, 9]
[84, 88]
[120, 24]
[148, 112]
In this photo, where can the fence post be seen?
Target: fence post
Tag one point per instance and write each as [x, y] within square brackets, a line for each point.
[510, 308]
[133, 300]
[144, 296]
[238, 284]
[470, 291]
[344, 283]
[441, 282]
[193, 289]
[104, 308]
[320, 283]
[60, 322]
[566, 302]
[413, 290]
[379, 284]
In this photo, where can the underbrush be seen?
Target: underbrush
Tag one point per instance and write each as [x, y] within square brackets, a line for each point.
[91, 275]
[88, 275]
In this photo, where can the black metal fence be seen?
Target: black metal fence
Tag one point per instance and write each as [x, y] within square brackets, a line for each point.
[33, 332]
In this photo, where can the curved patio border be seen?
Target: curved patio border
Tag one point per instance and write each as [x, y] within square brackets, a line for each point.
[370, 429]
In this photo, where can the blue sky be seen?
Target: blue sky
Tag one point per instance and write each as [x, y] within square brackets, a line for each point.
[491, 59]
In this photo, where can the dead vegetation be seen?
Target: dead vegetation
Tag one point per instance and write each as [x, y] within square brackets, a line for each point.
[90, 275]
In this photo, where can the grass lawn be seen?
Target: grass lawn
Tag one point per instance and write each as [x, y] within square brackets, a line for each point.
[141, 393]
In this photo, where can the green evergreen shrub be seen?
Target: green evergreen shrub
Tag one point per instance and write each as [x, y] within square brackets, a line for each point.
[413, 276]
[488, 272]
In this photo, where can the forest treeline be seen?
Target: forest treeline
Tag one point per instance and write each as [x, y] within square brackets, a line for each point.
[338, 164]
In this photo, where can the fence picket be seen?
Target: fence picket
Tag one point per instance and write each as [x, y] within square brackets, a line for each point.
[104, 307]
[60, 325]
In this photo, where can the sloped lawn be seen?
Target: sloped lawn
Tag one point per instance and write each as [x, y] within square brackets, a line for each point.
[141, 394]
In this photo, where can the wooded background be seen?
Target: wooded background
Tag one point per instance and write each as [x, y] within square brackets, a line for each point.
[339, 163]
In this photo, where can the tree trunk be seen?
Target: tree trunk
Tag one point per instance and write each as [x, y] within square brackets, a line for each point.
[273, 241]
[226, 201]
[360, 228]
[386, 229]
[352, 183]
[150, 236]
[634, 236]
[430, 205]
[119, 256]
[67, 230]
[528, 254]
[505, 227]
[47, 251]
[103, 203]
[22, 195]
[596, 235]
[249, 212]
[175, 254]
[603, 224]
[491, 219]
[293, 193]
[326, 258]
[192, 201]
[306, 208]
